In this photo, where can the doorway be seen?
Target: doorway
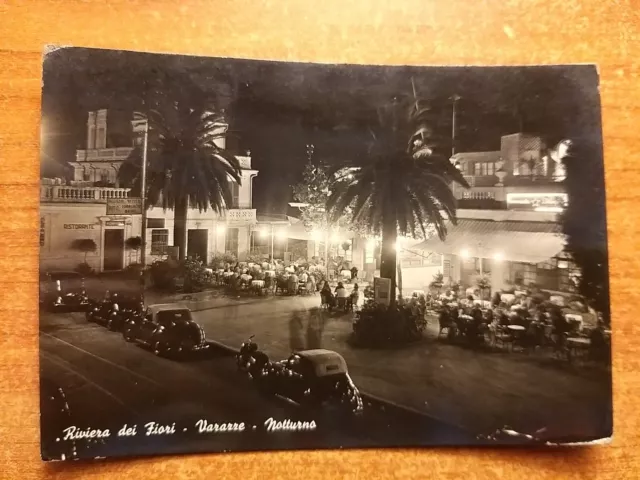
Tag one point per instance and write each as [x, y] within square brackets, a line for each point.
[197, 241]
[113, 249]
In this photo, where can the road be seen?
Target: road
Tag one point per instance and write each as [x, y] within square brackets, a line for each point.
[109, 383]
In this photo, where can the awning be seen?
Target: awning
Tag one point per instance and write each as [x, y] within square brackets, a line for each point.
[530, 242]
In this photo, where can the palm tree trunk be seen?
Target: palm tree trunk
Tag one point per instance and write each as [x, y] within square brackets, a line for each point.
[388, 256]
[180, 227]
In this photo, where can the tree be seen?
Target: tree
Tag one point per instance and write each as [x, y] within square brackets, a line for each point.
[186, 167]
[84, 245]
[135, 244]
[584, 221]
[398, 184]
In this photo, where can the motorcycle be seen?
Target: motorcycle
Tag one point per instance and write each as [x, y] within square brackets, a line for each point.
[250, 359]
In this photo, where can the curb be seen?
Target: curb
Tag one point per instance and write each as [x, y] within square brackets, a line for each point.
[365, 396]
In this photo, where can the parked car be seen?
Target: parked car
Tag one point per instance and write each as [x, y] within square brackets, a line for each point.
[313, 379]
[63, 292]
[168, 329]
[115, 310]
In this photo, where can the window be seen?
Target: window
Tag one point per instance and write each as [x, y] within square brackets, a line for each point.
[86, 175]
[155, 222]
[369, 252]
[491, 167]
[477, 167]
[159, 241]
[231, 243]
[235, 195]
[484, 169]
[42, 231]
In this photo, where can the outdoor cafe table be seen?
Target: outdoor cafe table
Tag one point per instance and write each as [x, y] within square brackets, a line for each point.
[575, 344]
[516, 328]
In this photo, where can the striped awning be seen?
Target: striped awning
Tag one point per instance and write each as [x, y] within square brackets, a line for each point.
[530, 242]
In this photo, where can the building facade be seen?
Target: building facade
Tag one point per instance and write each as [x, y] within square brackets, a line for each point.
[508, 229]
[78, 209]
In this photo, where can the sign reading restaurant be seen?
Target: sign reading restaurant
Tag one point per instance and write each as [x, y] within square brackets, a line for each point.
[79, 226]
[124, 206]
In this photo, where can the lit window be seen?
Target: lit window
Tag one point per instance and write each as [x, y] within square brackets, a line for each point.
[159, 241]
[369, 251]
[491, 168]
[477, 168]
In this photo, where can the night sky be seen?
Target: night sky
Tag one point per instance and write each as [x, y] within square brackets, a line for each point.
[275, 109]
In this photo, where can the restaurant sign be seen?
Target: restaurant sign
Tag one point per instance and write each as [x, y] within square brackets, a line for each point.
[79, 226]
[124, 206]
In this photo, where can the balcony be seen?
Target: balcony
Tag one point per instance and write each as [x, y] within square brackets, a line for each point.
[103, 154]
[241, 216]
[66, 194]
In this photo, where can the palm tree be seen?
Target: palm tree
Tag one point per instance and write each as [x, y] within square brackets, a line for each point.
[398, 184]
[186, 167]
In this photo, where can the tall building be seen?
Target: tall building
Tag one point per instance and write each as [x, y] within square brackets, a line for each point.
[84, 207]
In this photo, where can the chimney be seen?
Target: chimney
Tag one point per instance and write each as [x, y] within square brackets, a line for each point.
[101, 127]
[91, 131]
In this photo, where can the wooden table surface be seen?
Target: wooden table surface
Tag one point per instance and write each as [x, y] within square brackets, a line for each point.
[364, 31]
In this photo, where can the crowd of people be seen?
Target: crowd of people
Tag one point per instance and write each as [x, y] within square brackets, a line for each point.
[522, 321]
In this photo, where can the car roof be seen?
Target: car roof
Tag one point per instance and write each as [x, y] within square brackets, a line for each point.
[165, 307]
[325, 362]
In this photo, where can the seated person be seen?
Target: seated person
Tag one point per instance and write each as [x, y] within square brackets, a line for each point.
[326, 295]
[341, 292]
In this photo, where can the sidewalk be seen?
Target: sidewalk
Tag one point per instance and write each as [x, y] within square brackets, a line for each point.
[476, 390]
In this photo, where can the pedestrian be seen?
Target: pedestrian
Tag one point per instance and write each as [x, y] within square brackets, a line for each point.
[354, 273]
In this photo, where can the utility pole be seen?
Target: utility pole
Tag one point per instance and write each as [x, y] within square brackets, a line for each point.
[143, 195]
[143, 206]
[453, 125]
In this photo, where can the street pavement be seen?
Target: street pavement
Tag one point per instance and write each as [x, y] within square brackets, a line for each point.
[110, 383]
[479, 391]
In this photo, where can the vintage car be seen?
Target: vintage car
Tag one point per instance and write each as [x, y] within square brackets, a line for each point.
[313, 379]
[168, 329]
[115, 310]
[63, 292]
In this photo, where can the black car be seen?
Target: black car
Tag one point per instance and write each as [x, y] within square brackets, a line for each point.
[314, 379]
[115, 310]
[168, 329]
[63, 292]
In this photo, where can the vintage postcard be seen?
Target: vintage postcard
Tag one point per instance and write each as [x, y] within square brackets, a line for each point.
[249, 255]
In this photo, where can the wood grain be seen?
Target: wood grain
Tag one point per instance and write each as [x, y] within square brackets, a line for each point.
[364, 31]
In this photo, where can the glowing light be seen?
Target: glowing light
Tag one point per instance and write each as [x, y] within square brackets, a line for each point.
[263, 231]
[464, 253]
[548, 209]
[221, 228]
[371, 244]
[335, 238]
[281, 234]
[498, 256]
[316, 235]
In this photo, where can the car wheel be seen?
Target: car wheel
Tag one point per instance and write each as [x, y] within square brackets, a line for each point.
[159, 349]
[126, 333]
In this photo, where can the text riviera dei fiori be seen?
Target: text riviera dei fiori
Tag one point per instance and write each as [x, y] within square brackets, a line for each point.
[201, 426]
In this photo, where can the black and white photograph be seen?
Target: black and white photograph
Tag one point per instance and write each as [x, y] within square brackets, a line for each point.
[251, 255]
